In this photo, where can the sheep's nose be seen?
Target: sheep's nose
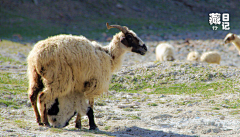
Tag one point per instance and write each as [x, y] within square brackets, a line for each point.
[144, 47]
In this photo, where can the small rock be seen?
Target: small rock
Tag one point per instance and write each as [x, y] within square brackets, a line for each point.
[179, 109]
[131, 73]
[216, 130]
[116, 118]
[222, 117]
[99, 115]
[100, 123]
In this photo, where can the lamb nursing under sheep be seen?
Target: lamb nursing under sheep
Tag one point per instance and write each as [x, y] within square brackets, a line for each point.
[62, 109]
[164, 52]
[233, 38]
[211, 57]
[63, 64]
[193, 56]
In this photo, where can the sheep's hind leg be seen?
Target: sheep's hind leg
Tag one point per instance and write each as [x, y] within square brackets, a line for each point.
[78, 121]
[36, 87]
[91, 119]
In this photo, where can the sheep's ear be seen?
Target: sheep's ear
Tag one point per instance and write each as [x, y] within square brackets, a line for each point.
[233, 36]
[124, 41]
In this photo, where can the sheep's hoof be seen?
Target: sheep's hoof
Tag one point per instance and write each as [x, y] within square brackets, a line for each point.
[93, 128]
[47, 124]
[78, 126]
[40, 123]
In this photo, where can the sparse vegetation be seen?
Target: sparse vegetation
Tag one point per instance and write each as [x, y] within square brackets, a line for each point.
[164, 91]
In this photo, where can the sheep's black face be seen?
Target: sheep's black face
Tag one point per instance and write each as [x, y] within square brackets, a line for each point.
[136, 43]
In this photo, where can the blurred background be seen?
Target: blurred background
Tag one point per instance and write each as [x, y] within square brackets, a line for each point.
[152, 20]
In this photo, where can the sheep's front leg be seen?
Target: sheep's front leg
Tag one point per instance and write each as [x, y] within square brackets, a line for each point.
[43, 109]
[91, 119]
[78, 121]
[91, 102]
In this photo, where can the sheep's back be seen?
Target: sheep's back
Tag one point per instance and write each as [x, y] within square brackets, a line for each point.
[211, 57]
[164, 50]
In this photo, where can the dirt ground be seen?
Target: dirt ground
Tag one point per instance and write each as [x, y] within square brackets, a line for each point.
[131, 114]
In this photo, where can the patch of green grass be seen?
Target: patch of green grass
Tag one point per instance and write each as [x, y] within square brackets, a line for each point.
[152, 104]
[107, 127]
[234, 104]
[55, 130]
[21, 123]
[12, 84]
[5, 59]
[234, 112]
[135, 117]
[100, 103]
[216, 108]
[207, 89]
[10, 103]
[127, 109]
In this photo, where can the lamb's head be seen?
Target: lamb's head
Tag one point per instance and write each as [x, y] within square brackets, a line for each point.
[230, 37]
[59, 112]
[130, 40]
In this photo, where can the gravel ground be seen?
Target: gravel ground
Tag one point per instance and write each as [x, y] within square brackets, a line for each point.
[125, 114]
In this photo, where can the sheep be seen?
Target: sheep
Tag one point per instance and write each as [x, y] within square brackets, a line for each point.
[211, 57]
[164, 52]
[233, 38]
[62, 109]
[63, 64]
[193, 56]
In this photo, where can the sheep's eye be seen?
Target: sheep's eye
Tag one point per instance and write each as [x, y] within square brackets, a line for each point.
[129, 37]
[54, 120]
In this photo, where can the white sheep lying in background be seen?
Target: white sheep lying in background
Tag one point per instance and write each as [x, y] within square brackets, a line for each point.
[63, 64]
[62, 109]
[164, 52]
[193, 56]
[211, 57]
[233, 38]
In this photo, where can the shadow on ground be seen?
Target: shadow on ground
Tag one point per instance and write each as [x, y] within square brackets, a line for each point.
[134, 131]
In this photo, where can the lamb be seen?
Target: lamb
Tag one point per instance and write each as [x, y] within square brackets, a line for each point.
[233, 38]
[193, 56]
[164, 52]
[211, 57]
[63, 64]
[62, 109]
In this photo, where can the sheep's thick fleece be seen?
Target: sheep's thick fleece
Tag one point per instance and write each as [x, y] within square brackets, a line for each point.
[164, 52]
[69, 63]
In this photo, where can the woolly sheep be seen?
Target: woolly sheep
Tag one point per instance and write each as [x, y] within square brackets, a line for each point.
[211, 57]
[62, 109]
[233, 38]
[193, 56]
[164, 52]
[63, 64]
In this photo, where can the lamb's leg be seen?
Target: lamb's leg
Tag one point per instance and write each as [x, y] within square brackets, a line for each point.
[91, 102]
[78, 121]
[91, 119]
[43, 110]
[35, 87]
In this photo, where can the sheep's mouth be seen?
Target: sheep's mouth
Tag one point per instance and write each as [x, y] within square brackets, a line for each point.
[141, 50]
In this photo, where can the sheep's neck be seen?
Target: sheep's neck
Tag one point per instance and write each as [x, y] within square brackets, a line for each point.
[237, 43]
[117, 54]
